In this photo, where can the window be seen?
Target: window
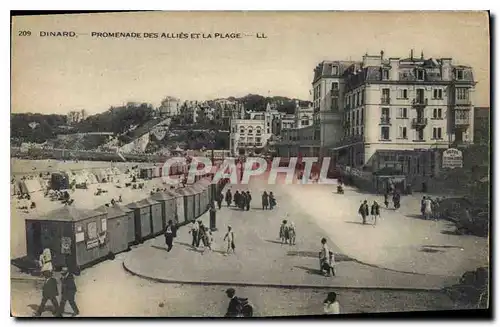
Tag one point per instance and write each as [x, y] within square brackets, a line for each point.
[402, 132]
[403, 93]
[250, 131]
[402, 113]
[362, 130]
[357, 117]
[362, 112]
[354, 100]
[436, 133]
[242, 130]
[462, 93]
[437, 94]
[437, 113]
[358, 98]
[335, 70]
[385, 74]
[268, 131]
[385, 113]
[460, 74]
[362, 97]
[258, 131]
[347, 102]
[384, 133]
[386, 96]
[234, 129]
[335, 104]
[335, 86]
[420, 75]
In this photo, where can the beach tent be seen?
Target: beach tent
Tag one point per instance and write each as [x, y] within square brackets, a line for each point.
[30, 186]
[101, 176]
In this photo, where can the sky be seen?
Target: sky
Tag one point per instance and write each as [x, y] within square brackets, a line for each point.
[59, 74]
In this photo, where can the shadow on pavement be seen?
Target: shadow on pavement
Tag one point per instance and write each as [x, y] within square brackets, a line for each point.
[429, 250]
[356, 222]
[442, 246]
[415, 217]
[276, 242]
[310, 270]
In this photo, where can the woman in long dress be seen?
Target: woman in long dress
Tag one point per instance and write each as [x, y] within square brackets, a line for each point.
[45, 262]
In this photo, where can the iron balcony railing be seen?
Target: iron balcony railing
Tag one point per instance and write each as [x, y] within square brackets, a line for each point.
[385, 120]
[419, 122]
[419, 102]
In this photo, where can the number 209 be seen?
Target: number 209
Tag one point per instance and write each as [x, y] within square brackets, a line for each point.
[24, 33]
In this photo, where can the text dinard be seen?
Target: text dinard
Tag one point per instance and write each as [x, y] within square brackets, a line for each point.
[152, 35]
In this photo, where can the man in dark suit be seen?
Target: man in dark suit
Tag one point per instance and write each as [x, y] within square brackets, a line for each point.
[68, 292]
[49, 292]
[233, 310]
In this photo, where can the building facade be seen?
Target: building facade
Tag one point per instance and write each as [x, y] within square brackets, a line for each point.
[482, 125]
[396, 111]
[169, 107]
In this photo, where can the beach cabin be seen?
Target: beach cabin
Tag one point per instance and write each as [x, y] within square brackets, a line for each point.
[119, 219]
[205, 195]
[76, 237]
[142, 219]
[198, 207]
[59, 181]
[146, 173]
[187, 193]
[168, 206]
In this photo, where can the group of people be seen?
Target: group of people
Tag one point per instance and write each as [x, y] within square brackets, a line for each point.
[268, 201]
[287, 233]
[50, 290]
[200, 234]
[396, 199]
[241, 199]
[429, 208]
[365, 211]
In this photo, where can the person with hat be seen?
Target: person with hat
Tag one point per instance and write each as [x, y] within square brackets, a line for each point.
[170, 233]
[49, 292]
[331, 305]
[230, 240]
[68, 291]
[238, 307]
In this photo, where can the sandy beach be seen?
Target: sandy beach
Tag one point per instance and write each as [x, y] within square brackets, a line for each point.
[83, 198]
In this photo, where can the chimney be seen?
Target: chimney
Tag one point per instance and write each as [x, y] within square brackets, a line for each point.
[446, 69]
[382, 54]
[411, 54]
[422, 55]
[394, 71]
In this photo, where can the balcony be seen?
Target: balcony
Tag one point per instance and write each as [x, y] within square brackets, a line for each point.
[385, 120]
[419, 102]
[335, 92]
[419, 122]
[463, 102]
[385, 100]
[461, 122]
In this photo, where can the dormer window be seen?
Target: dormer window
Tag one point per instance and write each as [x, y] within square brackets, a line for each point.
[335, 70]
[385, 74]
[460, 74]
[420, 75]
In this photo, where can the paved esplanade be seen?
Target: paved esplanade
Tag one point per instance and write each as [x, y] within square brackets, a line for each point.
[395, 243]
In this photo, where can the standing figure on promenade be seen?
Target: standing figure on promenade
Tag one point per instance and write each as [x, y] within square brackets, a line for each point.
[396, 199]
[386, 200]
[248, 200]
[364, 211]
[229, 197]
[237, 198]
[220, 198]
[284, 235]
[427, 208]
[291, 233]
[45, 262]
[170, 233]
[272, 201]
[201, 234]
[194, 229]
[243, 200]
[229, 238]
[265, 201]
[375, 211]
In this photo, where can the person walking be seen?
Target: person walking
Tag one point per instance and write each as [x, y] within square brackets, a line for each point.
[265, 201]
[427, 208]
[291, 233]
[396, 199]
[375, 211]
[422, 207]
[331, 306]
[229, 238]
[248, 200]
[244, 200]
[68, 292]
[272, 201]
[193, 230]
[364, 211]
[324, 256]
[229, 197]
[170, 233]
[220, 198]
[49, 292]
[201, 235]
[386, 200]
[283, 235]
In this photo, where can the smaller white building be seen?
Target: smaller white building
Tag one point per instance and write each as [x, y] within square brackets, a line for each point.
[248, 136]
